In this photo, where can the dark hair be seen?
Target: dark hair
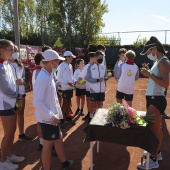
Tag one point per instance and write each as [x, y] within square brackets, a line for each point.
[159, 46]
[90, 55]
[45, 47]
[38, 58]
[44, 62]
[101, 47]
[122, 50]
[78, 61]
[98, 52]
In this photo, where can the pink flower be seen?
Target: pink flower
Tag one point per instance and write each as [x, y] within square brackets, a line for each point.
[131, 112]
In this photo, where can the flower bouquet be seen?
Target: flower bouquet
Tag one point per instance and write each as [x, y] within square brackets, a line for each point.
[124, 116]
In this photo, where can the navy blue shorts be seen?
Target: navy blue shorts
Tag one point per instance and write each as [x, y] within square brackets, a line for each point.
[87, 93]
[59, 93]
[157, 101]
[80, 92]
[127, 97]
[50, 132]
[97, 97]
[67, 94]
[9, 112]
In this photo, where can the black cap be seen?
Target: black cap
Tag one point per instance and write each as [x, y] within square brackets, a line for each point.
[150, 44]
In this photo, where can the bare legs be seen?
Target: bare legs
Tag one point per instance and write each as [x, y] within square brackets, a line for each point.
[9, 127]
[46, 152]
[156, 126]
[20, 117]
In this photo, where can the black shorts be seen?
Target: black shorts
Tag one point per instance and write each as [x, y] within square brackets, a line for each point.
[87, 93]
[80, 92]
[127, 97]
[9, 112]
[157, 101]
[67, 94]
[50, 132]
[97, 97]
[59, 93]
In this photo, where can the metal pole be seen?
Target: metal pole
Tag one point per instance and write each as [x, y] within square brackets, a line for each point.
[91, 155]
[16, 24]
[165, 35]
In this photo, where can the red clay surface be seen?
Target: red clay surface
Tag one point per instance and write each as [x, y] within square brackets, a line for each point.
[111, 156]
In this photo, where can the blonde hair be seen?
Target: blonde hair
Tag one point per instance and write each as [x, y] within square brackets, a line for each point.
[130, 54]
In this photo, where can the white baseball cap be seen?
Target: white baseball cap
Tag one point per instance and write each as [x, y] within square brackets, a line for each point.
[50, 55]
[69, 53]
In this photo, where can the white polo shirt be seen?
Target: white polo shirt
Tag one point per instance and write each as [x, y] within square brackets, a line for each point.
[65, 75]
[77, 74]
[45, 98]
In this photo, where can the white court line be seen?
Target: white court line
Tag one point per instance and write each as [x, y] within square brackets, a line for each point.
[107, 90]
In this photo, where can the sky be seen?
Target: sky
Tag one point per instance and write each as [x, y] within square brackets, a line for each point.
[137, 15]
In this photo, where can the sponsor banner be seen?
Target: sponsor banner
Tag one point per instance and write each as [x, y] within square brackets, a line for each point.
[27, 54]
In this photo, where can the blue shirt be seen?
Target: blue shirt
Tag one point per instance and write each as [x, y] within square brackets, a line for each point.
[153, 88]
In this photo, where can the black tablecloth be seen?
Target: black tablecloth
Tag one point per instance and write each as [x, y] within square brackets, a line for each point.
[142, 137]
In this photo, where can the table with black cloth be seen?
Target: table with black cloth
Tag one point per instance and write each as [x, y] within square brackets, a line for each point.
[137, 136]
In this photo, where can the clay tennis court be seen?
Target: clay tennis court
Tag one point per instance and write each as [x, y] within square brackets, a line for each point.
[111, 156]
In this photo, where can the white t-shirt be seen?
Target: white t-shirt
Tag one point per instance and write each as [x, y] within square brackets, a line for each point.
[65, 75]
[128, 74]
[77, 74]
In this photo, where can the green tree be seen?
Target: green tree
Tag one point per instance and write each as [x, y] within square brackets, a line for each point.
[80, 21]
[140, 42]
[105, 40]
[70, 22]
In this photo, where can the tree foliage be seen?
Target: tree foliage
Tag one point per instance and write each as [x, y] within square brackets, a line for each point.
[140, 42]
[65, 22]
[105, 40]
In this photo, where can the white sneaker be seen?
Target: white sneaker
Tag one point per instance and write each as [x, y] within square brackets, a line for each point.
[159, 156]
[16, 159]
[152, 164]
[8, 165]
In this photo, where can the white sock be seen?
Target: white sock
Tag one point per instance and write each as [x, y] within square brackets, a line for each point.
[91, 115]
[41, 141]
